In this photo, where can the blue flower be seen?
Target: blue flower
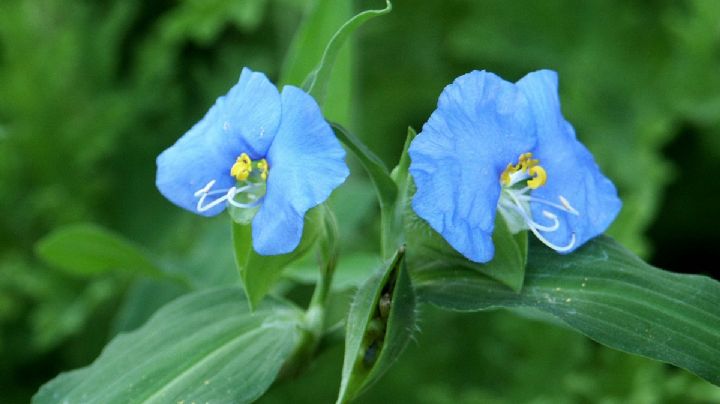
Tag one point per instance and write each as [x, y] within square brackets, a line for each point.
[259, 149]
[491, 146]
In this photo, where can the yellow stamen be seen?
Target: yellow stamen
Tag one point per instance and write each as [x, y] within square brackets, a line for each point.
[525, 162]
[242, 167]
[505, 176]
[528, 165]
[539, 177]
[263, 166]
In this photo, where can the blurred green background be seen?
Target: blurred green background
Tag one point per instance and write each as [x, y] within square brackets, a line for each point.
[92, 91]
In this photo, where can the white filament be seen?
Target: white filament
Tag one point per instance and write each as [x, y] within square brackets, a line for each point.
[519, 201]
[228, 196]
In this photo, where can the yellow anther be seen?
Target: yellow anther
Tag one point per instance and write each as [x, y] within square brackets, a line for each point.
[525, 162]
[539, 177]
[505, 176]
[263, 166]
[242, 167]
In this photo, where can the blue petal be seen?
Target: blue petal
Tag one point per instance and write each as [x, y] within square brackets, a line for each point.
[244, 120]
[250, 115]
[192, 162]
[482, 124]
[571, 169]
[307, 163]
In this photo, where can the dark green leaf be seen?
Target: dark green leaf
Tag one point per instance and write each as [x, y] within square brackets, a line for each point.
[320, 77]
[88, 250]
[142, 299]
[605, 292]
[428, 250]
[508, 264]
[204, 255]
[322, 19]
[379, 325]
[384, 185]
[400, 172]
[393, 217]
[206, 346]
[401, 323]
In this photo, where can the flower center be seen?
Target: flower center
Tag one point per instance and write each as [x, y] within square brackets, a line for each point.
[247, 193]
[518, 181]
[527, 168]
[243, 168]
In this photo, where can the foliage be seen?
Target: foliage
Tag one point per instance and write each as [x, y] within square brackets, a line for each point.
[91, 92]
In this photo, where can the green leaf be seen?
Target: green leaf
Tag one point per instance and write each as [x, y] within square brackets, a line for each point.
[203, 347]
[201, 253]
[607, 293]
[323, 18]
[401, 323]
[88, 250]
[142, 299]
[400, 172]
[393, 216]
[508, 264]
[428, 250]
[385, 187]
[379, 325]
[260, 272]
[320, 77]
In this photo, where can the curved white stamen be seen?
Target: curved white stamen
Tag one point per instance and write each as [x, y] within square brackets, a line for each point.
[554, 218]
[216, 202]
[555, 247]
[252, 204]
[205, 189]
[516, 203]
[536, 229]
[533, 224]
[229, 196]
[565, 206]
[245, 188]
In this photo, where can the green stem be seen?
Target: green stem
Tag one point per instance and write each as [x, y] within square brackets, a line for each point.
[315, 314]
[314, 323]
